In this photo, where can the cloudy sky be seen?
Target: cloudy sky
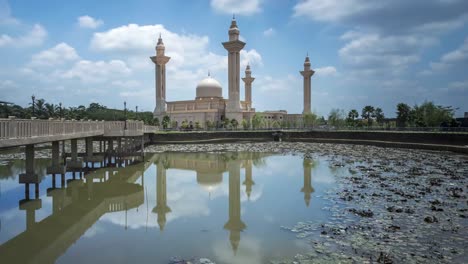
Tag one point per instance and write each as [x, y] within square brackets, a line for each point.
[364, 52]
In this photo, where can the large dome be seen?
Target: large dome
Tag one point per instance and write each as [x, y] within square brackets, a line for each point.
[209, 87]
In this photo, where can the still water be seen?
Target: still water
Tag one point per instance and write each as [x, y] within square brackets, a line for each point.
[228, 207]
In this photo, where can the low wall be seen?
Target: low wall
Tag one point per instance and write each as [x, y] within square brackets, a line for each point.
[457, 142]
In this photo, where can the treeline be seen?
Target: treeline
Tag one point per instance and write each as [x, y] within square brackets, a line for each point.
[427, 114]
[44, 110]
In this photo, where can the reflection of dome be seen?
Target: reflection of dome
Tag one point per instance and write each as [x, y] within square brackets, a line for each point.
[209, 87]
[209, 180]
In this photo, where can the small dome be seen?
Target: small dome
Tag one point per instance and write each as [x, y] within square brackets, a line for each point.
[209, 87]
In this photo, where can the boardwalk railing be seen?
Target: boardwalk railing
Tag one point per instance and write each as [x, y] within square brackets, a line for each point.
[24, 128]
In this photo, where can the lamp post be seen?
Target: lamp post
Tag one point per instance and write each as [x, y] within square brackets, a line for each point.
[136, 112]
[60, 109]
[125, 115]
[33, 104]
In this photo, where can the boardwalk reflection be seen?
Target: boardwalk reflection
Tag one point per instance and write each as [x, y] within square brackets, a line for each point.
[76, 208]
[87, 197]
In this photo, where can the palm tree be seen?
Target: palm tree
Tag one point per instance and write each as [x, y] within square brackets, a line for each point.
[368, 113]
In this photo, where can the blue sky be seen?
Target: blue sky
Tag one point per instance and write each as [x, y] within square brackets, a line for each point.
[364, 52]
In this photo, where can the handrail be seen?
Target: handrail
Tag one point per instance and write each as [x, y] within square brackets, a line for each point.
[29, 128]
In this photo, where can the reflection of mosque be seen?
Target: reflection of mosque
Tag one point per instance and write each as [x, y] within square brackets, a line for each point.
[79, 202]
[209, 169]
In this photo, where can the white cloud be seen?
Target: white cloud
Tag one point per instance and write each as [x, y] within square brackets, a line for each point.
[96, 71]
[34, 37]
[126, 83]
[7, 84]
[326, 71]
[460, 86]
[5, 14]
[333, 10]
[449, 60]
[57, 55]
[89, 22]
[373, 53]
[241, 7]
[251, 57]
[269, 32]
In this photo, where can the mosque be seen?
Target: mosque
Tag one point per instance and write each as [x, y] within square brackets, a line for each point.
[209, 106]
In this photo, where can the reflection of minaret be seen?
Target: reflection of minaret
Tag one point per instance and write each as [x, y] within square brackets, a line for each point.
[234, 224]
[248, 182]
[307, 189]
[161, 198]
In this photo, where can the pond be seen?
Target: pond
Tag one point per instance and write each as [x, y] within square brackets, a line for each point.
[241, 203]
[227, 207]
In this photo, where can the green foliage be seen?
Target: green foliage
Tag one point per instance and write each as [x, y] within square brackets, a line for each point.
[336, 117]
[367, 114]
[156, 122]
[257, 120]
[352, 117]
[234, 123]
[197, 125]
[430, 115]
[379, 115]
[166, 121]
[245, 124]
[403, 115]
[310, 119]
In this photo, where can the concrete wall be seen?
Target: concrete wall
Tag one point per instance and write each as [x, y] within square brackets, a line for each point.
[456, 142]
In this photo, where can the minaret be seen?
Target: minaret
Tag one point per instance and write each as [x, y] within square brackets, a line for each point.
[307, 74]
[248, 80]
[160, 61]
[234, 224]
[248, 182]
[234, 46]
[161, 197]
[307, 189]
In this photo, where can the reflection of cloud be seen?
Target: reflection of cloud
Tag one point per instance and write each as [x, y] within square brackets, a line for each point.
[91, 232]
[249, 251]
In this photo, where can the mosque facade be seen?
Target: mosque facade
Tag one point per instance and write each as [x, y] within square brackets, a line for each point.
[209, 106]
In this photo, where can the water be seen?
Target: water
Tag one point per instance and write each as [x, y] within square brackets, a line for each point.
[226, 207]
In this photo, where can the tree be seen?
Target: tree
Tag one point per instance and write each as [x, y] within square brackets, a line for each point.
[352, 116]
[156, 121]
[245, 124]
[166, 121]
[379, 115]
[403, 115]
[234, 123]
[257, 120]
[367, 114]
[430, 115]
[309, 119]
[197, 125]
[336, 117]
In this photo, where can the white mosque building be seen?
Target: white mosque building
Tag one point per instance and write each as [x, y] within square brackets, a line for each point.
[209, 106]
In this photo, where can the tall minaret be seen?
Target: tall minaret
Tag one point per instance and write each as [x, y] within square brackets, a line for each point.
[307, 73]
[234, 46]
[248, 80]
[307, 189]
[161, 196]
[160, 60]
[234, 224]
